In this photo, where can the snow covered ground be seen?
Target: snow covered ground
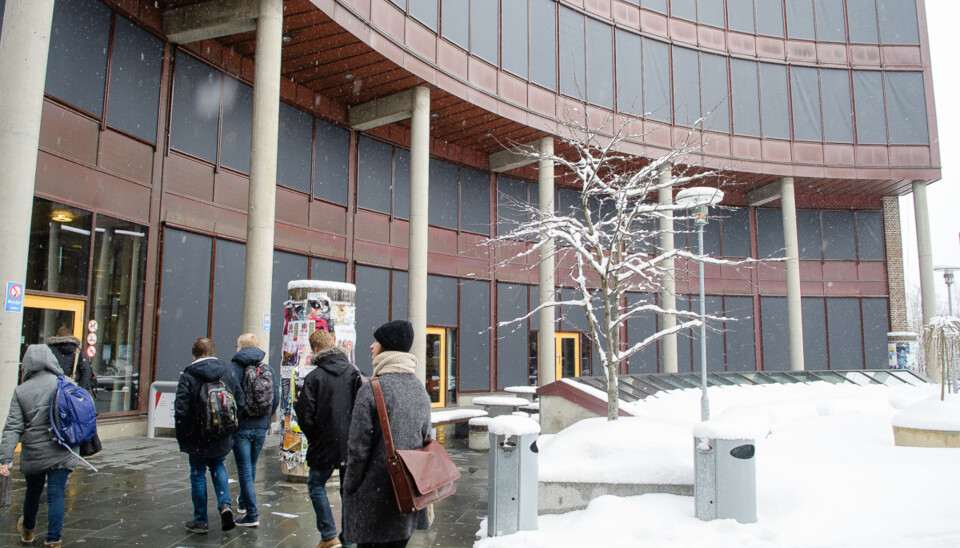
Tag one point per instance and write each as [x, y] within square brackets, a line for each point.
[828, 473]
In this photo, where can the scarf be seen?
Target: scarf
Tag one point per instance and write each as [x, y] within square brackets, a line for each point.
[392, 361]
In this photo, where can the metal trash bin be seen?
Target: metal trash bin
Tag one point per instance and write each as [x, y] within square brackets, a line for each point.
[512, 498]
[725, 481]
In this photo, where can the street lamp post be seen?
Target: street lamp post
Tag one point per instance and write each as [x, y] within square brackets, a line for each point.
[699, 199]
[948, 271]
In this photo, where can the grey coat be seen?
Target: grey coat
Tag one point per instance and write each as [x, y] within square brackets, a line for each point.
[370, 511]
[29, 419]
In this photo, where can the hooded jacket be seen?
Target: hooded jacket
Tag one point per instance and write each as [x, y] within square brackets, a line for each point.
[65, 349]
[29, 419]
[324, 406]
[252, 355]
[186, 407]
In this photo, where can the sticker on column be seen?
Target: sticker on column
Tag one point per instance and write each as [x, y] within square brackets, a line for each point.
[91, 351]
[266, 322]
[92, 326]
[14, 297]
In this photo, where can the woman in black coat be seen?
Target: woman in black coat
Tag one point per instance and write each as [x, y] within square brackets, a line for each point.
[66, 348]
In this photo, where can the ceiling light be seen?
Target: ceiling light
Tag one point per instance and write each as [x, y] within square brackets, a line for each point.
[62, 216]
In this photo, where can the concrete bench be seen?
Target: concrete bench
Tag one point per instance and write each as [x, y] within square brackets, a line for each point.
[529, 393]
[479, 439]
[500, 405]
[457, 417]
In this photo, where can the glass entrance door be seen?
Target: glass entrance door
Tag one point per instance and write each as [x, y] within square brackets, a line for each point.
[42, 316]
[436, 366]
[567, 354]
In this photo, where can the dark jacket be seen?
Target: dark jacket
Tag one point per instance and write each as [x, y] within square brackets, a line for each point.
[186, 407]
[252, 355]
[65, 349]
[370, 512]
[324, 406]
[28, 421]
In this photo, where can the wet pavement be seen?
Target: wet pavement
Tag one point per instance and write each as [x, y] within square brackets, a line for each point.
[141, 497]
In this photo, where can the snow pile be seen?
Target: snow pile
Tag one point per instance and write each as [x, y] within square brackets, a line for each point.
[437, 417]
[500, 400]
[513, 425]
[931, 414]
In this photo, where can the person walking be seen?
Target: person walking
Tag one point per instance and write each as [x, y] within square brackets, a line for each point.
[323, 409]
[371, 517]
[66, 348]
[204, 454]
[42, 460]
[261, 396]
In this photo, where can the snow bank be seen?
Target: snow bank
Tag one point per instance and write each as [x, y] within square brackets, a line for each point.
[931, 414]
[513, 425]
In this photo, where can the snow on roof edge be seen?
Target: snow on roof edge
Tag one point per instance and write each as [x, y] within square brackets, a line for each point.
[319, 284]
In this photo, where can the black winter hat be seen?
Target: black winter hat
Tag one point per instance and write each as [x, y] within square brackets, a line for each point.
[396, 335]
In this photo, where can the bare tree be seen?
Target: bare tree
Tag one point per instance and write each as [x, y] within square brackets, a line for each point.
[609, 242]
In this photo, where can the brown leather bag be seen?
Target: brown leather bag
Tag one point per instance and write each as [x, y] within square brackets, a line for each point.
[420, 477]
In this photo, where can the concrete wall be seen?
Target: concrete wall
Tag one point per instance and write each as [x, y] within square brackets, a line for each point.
[557, 413]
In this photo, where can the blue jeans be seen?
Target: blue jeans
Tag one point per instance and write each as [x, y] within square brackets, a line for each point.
[247, 444]
[56, 481]
[316, 485]
[198, 485]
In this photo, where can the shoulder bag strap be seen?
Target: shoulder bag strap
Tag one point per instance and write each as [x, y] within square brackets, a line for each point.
[384, 419]
[76, 362]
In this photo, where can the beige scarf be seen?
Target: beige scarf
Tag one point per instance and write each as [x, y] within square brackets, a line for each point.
[391, 361]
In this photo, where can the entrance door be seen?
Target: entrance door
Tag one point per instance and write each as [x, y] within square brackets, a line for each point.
[567, 354]
[42, 316]
[436, 366]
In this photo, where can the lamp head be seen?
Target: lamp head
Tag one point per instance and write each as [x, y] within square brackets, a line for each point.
[948, 271]
[699, 199]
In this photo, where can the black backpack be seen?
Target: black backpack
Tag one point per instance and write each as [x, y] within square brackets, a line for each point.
[218, 411]
[257, 387]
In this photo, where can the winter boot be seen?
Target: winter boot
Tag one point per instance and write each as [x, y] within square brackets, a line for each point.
[26, 535]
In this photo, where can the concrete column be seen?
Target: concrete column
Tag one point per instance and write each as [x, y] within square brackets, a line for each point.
[546, 344]
[419, 209]
[788, 207]
[24, 45]
[668, 284]
[928, 296]
[258, 281]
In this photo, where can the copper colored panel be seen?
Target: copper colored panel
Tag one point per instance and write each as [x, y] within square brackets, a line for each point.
[292, 207]
[771, 48]
[908, 156]
[421, 41]
[513, 89]
[400, 232]
[811, 289]
[776, 151]
[716, 143]
[736, 287]
[328, 217]
[811, 270]
[188, 213]
[371, 253]
[865, 56]
[801, 170]
[774, 288]
[372, 226]
[901, 55]
[483, 75]
[386, 17]
[772, 271]
[746, 147]
[126, 157]
[835, 54]
[328, 245]
[808, 153]
[361, 7]
[801, 51]
[542, 100]
[65, 181]
[598, 7]
[683, 31]
[712, 38]
[872, 155]
[69, 134]
[471, 245]
[452, 59]
[472, 268]
[873, 289]
[843, 271]
[231, 190]
[182, 175]
[872, 271]
[743, 44]
[442, 240]
[626, 14]
[443, 265]
[292, 238]
[838, 155]
[653, 23]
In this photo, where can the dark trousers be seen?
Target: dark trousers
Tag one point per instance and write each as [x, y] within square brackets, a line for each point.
[392, 544]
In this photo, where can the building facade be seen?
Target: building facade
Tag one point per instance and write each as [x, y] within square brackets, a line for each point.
[140, 203]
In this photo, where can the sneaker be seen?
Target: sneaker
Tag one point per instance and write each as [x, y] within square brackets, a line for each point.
[240, 509]
[54, 544]
[332, 543]
[226, 518]
[198, 528]
[248, 521]
[26, 535]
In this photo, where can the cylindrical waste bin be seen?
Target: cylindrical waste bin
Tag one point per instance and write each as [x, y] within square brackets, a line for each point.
[725, 480]
[512, 498]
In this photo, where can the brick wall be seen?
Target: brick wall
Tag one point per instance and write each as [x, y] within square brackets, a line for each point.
[894, 249]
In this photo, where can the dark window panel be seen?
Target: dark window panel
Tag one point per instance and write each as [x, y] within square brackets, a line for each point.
[868, 105]
[237, 123]
[327, 270]
[639, 327]
[444, 198]
[373, 310]
[401, 183]
[228, 290]
[475, 197]
[876, 324]
[906, 108]
[375, 163]
[134, 80]
[800, 19]
[775, 111]
[475, 335]
[543, 43]
[573, 70]
[511, 194]
[659, 6]
[196, 108]
[483, 29]
[898, 22]
[839, 240]
[184, 300]
[600, 63]
[736, 233]
[814, 333]
[775, 333]
[684, 339]
[629, 73]
[684, 9]
[3, 4]
[830, 21]
[741, 354]
[512, 338]
[713, 306]
[740, 15]
[870, 237]
[77, 61]
[843, 328]
[746, 97]
[656, 80]
[402, 4]
[808, 234]
[441, 301]
[715, 107]
[862, 19]
[837, 109]
[286, 267]
[400, 287]
[455, 22]
[711, 236]
[686, 86]
[331, 156]
[769, 233]
[805, 93]
[711, 13]
[293, 148]
[573, 318]
[59, 254]
[425, 11]
[770, 18]
[514, 35]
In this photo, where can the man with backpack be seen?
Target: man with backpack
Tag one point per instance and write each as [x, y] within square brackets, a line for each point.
[42, 459]
[261, 396]
[205, 413]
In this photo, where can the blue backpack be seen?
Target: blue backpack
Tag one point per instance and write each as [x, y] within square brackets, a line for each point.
[73, 416]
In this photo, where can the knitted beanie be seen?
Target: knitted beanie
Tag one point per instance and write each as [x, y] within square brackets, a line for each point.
[396, 335]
